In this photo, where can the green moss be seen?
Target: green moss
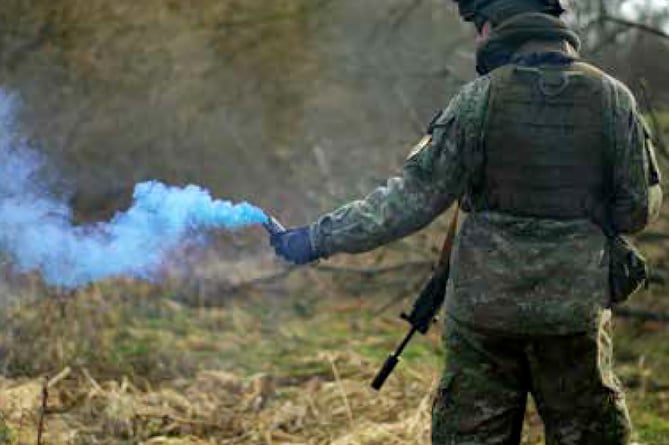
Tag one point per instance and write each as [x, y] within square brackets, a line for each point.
[651, 428]
[6, 434]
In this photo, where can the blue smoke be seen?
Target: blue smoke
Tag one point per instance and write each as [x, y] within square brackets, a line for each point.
[37, 233]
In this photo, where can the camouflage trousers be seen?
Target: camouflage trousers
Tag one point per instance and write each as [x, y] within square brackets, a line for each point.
[483, 393]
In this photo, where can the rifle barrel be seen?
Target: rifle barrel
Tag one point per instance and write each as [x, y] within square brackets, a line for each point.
[391, 362]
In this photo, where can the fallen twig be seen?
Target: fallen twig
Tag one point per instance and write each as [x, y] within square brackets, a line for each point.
[340, 386]
[59, 377]
[96, 388]
[180, 420]
[367, 272]
[42, 412]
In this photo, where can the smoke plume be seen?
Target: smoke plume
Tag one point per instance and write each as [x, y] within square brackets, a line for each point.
[37, 232]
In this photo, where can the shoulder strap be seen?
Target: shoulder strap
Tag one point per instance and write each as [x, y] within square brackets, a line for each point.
[603, 213]
[449, 242]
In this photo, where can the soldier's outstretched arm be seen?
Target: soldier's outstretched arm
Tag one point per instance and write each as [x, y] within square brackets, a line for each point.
[637, 192]
[434, 176]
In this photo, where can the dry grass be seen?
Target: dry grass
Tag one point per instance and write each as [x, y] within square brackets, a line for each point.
[276, 376]
[129, 366]
[219, 407]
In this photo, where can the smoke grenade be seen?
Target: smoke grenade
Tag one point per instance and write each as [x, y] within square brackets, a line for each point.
[38, 235]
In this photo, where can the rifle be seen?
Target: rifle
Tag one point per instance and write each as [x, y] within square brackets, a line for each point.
[426, 307]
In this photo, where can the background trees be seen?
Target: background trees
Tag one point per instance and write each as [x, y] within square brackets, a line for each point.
[302, 102]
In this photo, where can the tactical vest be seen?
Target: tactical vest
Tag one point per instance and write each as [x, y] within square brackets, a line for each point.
[545, 140]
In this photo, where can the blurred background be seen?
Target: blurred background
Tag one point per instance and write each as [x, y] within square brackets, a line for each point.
[293, 104]
[297, 106]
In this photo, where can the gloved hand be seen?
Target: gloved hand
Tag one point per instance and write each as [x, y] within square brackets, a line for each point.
[294, 245]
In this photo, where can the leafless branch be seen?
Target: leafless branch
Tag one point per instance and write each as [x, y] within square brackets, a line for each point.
[636, 25]
[625, 25]
[658, 136]
[372, 271]
[607, 40]
[17, 54]
[397, 17]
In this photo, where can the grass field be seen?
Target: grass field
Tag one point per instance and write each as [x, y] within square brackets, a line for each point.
[288, 360]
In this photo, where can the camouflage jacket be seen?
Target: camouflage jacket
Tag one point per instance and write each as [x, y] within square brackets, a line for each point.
[512, 274]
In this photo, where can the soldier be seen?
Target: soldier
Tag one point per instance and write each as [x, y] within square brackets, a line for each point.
[537, 148]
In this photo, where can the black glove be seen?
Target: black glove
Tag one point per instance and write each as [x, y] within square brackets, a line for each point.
[294, 245]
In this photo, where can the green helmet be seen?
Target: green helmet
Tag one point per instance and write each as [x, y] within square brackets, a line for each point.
[497, 11]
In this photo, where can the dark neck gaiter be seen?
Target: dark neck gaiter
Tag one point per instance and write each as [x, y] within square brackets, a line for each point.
[510, 35]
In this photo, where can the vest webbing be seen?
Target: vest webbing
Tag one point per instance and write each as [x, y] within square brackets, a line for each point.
[545, 141]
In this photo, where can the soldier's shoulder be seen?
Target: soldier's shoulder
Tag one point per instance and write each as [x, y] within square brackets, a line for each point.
[623, 96]
[476, 89]
[470, 101]
[618, 87]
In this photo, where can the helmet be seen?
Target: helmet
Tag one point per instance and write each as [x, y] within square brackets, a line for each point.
[496, 11]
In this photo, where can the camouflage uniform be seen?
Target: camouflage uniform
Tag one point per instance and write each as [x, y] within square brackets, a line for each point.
[482, 396]
[527, 300]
